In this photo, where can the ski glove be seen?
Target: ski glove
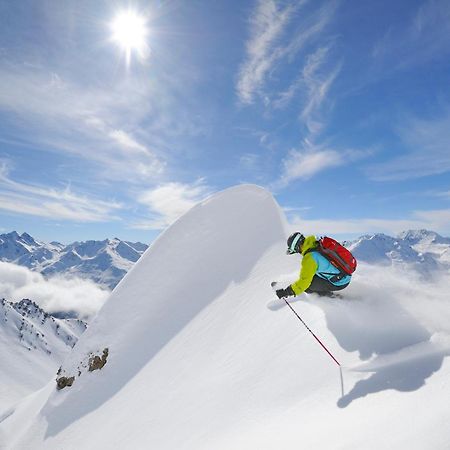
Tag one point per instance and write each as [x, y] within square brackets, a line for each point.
[283, 293]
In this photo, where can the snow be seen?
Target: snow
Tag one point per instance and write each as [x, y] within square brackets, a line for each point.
[104, 262]
[32, 346]
[420, 250]
[197, 359]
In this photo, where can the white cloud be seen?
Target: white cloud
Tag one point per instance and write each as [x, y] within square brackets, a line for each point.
[312, 27]
[284, 98]
[250, 161]
[307, 80]
[445, 194]
[128, 142]
[436, 220]
[268, 23]
[63, 116]
[439, 219]
[271, 42]
[57, 294]
[428, 144]
[53, 203]
[312, 159]
[317, 85]
[169, 201]
[305, 164]
[314, 82]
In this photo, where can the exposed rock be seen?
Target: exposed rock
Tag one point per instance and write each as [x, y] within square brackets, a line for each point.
[62, 382]
[96, 362]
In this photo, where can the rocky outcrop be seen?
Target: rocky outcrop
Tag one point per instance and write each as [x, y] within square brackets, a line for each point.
[94, 362]
[62, 382]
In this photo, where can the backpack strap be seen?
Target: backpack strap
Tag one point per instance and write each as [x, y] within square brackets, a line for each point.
[336, 276]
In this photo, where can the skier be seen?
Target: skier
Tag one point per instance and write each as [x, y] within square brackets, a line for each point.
[318, 274]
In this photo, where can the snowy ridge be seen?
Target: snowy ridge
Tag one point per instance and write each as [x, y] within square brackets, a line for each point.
[423, 250]
[193, 347]
[194, 255]
[32, 344]
[104, 262]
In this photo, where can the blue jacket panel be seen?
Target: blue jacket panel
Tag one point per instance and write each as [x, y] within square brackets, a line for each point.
[326, 270]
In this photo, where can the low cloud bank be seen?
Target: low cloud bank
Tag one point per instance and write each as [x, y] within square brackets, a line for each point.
[58, 294]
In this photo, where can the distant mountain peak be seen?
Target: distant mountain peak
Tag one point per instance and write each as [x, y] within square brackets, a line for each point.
[11, 235]
[424, 249]
[27, 238]
[417, 234]
[104, 262]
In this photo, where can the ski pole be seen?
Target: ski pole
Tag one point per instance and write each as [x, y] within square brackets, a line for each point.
[317, 339]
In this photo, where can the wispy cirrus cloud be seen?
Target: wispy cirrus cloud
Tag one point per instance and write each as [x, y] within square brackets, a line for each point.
[307, 80]
[314, 83]
[169, 201]
[436, 220]
[41, 201]
[128, 142]
[90, 122]
[318, 84]
[305, 164]
[268, 23]
[423, 38]
[312, 159]
[427, 143]
[274, 40]
[444, 194]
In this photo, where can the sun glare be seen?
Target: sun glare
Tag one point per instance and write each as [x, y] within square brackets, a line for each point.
[129, 31]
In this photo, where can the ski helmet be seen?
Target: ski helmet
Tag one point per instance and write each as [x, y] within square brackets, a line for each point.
[294, 242]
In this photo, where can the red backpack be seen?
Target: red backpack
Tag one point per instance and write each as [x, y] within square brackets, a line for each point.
[337, 254]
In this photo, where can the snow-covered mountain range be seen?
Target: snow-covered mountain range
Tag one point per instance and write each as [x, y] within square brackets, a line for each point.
[104, 262]
[33, 344]
[423, 250]
[190, 341]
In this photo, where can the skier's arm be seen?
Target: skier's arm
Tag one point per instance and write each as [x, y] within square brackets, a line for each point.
[307, 272]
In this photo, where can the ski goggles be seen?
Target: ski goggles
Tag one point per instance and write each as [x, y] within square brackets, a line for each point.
[295, 244]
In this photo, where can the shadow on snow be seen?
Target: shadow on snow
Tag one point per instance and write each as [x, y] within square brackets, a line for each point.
[397, 351]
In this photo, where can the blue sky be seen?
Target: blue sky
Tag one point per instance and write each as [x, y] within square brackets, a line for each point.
[340, 108]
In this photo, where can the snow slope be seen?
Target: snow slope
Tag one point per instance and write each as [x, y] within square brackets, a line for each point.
[32, 346]
[197, 359]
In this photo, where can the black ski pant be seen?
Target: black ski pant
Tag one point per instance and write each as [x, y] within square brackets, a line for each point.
[323, 287]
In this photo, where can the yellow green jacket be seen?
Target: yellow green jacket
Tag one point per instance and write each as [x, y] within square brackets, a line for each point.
[309, 267]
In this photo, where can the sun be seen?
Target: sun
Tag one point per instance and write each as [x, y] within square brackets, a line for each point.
[130, 32]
